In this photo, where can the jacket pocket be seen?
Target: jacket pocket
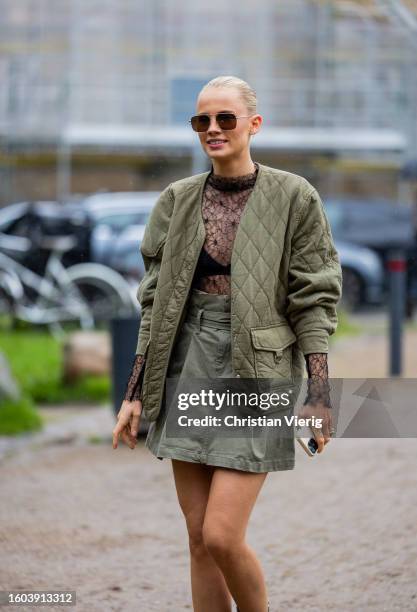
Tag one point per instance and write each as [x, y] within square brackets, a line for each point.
[273, 348]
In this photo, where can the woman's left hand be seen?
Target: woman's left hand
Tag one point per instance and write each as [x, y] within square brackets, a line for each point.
[319, 411]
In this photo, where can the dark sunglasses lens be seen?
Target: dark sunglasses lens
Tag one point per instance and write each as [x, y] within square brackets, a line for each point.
[200, 123]
[227, 121]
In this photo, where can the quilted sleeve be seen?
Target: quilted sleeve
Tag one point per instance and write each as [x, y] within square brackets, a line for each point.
[152, 249]
[314, 278]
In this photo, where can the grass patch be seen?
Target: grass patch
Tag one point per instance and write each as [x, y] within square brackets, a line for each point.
[411, 324]
[94, 389]
[35, 358]
[345, 327]
[94, 439]
[18, 417]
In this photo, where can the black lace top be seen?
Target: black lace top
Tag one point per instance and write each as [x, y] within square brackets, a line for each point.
[224, 200]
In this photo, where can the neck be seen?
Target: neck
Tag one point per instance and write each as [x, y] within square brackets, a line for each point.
[230, 168]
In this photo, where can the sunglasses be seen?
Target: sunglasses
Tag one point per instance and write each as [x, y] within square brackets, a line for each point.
[225, 121]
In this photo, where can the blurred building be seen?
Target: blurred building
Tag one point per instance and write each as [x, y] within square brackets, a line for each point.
[97, 94]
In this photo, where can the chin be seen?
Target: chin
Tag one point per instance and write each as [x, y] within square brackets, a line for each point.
[219, 154]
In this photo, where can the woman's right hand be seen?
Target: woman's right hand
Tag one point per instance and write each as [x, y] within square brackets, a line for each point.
[127, 426]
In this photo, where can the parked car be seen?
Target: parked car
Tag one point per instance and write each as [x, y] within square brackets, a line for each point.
[110, 215]
[382, 226]
[363, 275]
[126, 256]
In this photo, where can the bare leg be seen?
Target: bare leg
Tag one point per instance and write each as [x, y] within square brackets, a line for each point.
[209, 588]
[232, 496]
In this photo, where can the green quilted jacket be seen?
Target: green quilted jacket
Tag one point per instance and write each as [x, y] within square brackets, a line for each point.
[286, 279]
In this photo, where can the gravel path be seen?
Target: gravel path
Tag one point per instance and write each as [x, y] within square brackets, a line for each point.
[338, 532]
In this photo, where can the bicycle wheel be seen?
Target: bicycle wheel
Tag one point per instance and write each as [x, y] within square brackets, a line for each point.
[104, 291]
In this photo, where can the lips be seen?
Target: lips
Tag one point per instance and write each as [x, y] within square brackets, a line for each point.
[215, 143]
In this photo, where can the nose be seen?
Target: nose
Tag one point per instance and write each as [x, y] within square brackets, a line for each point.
[214, 126]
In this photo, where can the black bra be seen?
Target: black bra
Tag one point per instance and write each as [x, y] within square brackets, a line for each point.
[207, 266]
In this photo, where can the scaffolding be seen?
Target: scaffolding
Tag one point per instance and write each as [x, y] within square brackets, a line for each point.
[317, 64]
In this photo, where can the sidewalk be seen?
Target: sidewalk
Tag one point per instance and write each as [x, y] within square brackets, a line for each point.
[336, 533]
[367, 355]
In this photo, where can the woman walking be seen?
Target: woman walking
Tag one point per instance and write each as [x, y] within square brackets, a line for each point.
[242, 280]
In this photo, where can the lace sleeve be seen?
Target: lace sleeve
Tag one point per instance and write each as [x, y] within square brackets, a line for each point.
[318, 388]
[133, 386]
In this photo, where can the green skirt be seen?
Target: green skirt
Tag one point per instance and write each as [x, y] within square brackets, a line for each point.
[203, 350]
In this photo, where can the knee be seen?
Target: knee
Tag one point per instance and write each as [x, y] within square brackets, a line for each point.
[196, 541]
[220, 542]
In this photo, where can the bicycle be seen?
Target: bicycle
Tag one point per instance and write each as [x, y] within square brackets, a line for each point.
[86, 294]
